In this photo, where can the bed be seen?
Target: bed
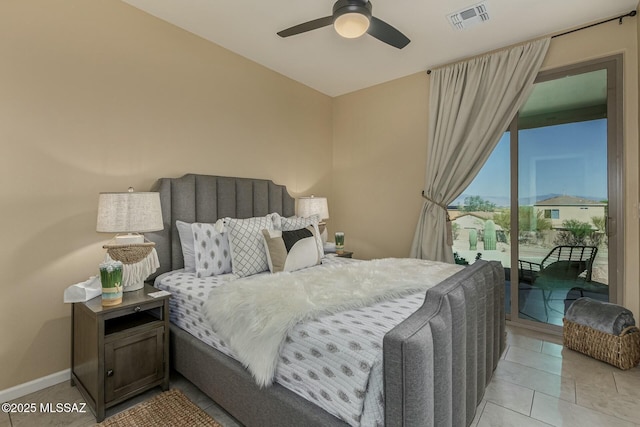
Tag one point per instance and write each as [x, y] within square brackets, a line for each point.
[436, 362]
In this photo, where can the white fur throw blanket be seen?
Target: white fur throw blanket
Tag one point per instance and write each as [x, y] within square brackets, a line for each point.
[254, 315]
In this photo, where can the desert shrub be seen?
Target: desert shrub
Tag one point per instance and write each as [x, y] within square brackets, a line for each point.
[574, 233]
[477, 204]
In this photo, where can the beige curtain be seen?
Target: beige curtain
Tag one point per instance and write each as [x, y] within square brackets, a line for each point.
[470, 107]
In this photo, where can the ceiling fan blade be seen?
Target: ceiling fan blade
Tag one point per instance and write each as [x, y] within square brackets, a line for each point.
[307, 26]
[386, 33]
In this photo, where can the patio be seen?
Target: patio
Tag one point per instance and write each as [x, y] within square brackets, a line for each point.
[531, 303]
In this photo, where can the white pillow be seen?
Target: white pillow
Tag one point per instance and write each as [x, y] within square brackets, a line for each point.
[247, 248]
[291, 250]
[212, 253]
[298, 222]
[186, 241]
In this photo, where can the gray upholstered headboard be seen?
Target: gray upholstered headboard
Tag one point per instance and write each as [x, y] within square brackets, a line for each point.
[205, 198]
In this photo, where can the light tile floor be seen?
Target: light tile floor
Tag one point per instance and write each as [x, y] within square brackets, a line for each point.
[537, 383]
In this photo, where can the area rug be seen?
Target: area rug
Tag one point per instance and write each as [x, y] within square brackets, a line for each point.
[171, 408]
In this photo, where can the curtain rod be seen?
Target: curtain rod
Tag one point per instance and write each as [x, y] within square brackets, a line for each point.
[619, 18]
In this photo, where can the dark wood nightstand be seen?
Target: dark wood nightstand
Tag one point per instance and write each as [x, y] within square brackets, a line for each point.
[345, 254]
[120, 351]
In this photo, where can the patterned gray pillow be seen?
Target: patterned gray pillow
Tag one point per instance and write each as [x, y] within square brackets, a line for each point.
[212, 253]
[247, 247]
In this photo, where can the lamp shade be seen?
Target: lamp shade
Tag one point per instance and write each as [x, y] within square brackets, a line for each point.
[130, 212]
[308, 206]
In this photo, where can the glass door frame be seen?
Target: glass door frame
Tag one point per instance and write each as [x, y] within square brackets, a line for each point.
[615, 184]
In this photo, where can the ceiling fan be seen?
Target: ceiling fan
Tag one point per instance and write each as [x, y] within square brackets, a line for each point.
[351, 19]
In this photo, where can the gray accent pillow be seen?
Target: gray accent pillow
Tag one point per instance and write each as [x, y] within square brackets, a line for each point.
[212, 252]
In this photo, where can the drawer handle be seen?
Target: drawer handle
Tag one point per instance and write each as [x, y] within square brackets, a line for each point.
[137, 309]
[110, 373]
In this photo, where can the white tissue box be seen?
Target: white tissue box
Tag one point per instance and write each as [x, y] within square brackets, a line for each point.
[83, 291]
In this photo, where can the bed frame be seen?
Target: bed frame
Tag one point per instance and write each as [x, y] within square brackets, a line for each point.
[437, 362]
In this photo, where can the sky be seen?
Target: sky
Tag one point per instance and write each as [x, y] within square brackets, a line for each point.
[569, 159]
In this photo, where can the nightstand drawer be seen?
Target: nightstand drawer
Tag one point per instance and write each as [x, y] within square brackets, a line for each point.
[134, 309]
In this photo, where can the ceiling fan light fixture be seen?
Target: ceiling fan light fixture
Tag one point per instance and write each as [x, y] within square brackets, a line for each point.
[351, 25]
[351, 19]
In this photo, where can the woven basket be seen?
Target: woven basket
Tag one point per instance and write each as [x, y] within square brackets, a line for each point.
[621, 351]
[129, 254]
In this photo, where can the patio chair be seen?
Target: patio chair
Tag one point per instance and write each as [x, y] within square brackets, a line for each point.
[562, 268]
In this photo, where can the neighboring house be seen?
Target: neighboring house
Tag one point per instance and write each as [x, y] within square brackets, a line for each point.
[562, 208]
[469, 220]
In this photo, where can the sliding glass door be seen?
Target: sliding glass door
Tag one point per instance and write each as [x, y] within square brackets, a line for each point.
[562, 210]
[547, 202]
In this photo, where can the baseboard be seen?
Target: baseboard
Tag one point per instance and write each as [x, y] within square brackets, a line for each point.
[35, 385]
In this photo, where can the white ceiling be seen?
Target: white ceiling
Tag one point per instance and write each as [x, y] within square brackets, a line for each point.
[330, 64]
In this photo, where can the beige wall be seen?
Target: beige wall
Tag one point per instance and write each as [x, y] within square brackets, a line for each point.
[97, 96]
[380, 137]
[379, 160]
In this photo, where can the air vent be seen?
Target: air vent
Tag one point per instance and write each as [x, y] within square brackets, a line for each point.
[470, 16]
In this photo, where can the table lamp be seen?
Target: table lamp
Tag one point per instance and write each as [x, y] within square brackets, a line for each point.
[131, 213]
[312, 205]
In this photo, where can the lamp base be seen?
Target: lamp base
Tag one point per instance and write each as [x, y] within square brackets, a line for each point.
[322, 227]
[129, 239]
